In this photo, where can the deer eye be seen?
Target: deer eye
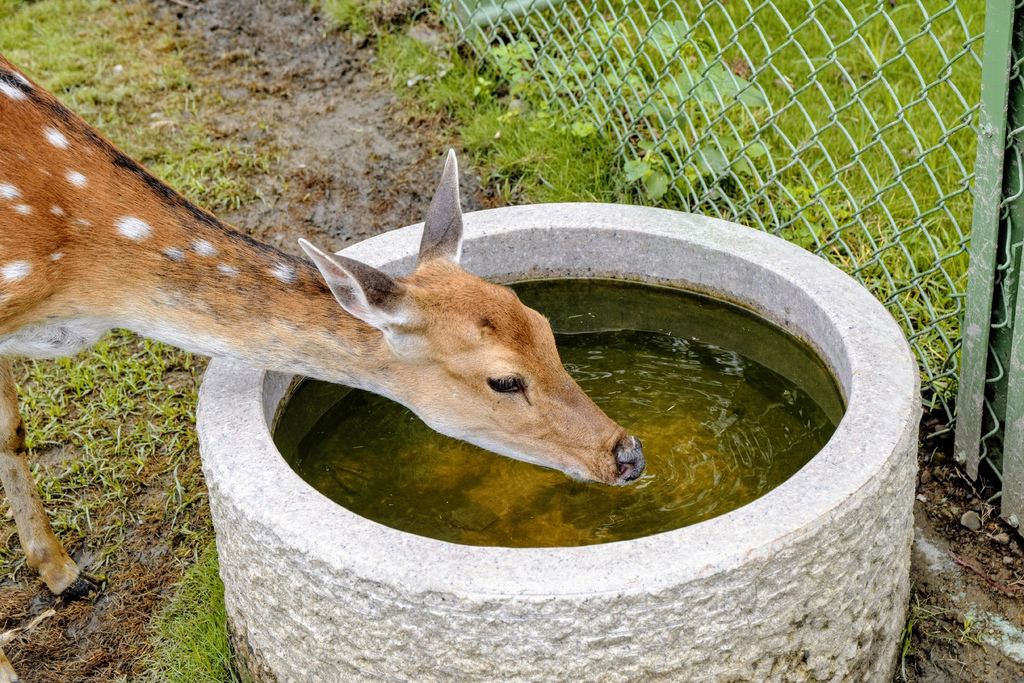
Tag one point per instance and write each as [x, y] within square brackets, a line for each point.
[506, 384]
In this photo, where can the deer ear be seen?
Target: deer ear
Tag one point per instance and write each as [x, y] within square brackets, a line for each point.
[442, 230]
[365, 292]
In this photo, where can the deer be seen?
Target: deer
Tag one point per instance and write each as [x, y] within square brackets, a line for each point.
[91, 241]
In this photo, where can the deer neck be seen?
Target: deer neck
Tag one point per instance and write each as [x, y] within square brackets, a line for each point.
[208, 288]
[258, 305]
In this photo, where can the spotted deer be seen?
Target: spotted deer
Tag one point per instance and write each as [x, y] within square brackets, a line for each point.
[90, 240]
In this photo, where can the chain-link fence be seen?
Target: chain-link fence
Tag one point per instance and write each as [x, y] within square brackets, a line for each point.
[848, 129]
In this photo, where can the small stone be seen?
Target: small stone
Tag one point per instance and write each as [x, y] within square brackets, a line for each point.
[1002, 539]
[1007, 560]
[971, 520]
[426, 35]
[921, 497]
[359, 40]
[926, 476]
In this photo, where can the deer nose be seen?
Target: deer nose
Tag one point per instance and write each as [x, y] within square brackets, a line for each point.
[629, 458]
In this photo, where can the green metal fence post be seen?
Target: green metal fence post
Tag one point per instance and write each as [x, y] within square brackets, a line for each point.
[988, 189]
[1012, 507]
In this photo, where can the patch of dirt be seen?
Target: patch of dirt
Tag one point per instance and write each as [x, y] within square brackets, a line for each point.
[351, 163]
[967, 621]
[101, 638]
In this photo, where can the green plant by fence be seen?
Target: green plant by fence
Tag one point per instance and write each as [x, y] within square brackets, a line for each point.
[848, 128]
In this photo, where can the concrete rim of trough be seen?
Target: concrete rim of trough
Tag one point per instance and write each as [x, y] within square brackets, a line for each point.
[857, 337]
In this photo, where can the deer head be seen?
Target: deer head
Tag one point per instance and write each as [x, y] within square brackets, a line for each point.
[472, 361]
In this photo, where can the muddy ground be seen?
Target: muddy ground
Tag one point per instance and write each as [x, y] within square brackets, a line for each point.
[967, 605]
[352, 162]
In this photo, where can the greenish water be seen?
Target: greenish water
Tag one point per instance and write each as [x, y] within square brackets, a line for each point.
[727, 407]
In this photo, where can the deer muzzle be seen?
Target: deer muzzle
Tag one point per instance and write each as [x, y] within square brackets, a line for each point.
[629, 459]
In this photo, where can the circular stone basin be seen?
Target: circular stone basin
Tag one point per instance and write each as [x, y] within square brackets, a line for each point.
[727, 406]
[808, 582]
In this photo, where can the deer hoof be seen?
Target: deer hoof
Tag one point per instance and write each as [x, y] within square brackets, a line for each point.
[80, 589]
[7, 673]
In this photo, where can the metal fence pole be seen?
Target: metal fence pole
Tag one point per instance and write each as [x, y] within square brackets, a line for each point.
[1012, 507]
[985, 234]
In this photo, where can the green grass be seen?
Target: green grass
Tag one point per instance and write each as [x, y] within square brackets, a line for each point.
[104, 427]
[111, 431]
[531, 157]
[349, 15]
[191, 635]
[829, 143]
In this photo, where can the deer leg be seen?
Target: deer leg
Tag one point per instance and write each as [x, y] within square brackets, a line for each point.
[43, 551]
[7, 674]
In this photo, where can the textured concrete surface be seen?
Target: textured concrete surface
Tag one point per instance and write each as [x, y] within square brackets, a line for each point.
[807, 583]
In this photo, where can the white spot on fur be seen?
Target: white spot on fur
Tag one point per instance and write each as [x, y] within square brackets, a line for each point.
[175, 254]
[204, 248]
[15, 270]
[56, 256]
[9, 191]
[23, 79]
[56, 210]
[23, 209]
[56, 138]
[133, 228]
[83, 222]
[230, 271]
[284, 273]
[11, 91]
[77, 179]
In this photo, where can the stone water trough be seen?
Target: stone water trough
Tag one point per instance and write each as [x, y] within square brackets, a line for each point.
[808, 583]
